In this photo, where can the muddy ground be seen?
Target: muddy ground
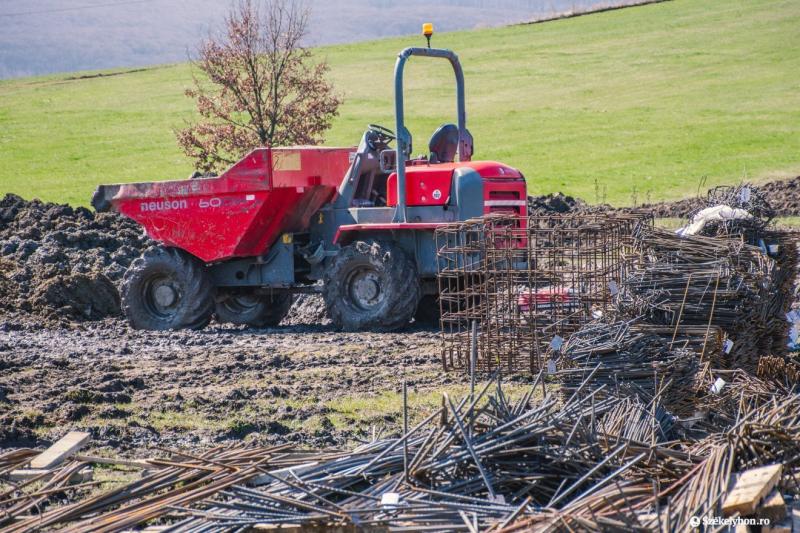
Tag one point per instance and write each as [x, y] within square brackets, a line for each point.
[132, 389]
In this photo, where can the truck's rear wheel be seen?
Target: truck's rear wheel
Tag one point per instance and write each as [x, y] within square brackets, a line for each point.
[253, 309]
[167, 288]
[371, 285]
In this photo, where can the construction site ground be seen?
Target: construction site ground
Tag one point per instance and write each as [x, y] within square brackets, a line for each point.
[69, 360]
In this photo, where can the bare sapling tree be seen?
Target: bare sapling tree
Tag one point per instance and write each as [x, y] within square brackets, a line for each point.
[258, 86]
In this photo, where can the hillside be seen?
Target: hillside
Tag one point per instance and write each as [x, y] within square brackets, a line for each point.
[641, 103]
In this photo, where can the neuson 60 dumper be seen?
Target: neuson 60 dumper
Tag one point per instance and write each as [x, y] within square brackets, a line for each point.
[361, 220]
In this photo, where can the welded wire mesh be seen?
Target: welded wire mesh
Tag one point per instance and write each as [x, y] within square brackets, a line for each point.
[527, 283]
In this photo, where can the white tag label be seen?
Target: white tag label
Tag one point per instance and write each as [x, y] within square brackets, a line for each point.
[551, 366]
[717, 386]
[744, 194]
[613, 288]
[727, 346]
[556, 343]
[390, 498]
[498, 498]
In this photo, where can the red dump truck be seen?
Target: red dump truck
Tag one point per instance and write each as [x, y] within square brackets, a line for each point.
[360, 220]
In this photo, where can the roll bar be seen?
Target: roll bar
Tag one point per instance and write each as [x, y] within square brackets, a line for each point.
[403, 137]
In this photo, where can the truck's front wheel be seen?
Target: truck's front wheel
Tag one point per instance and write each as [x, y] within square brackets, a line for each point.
[371, 285]
[167, 288]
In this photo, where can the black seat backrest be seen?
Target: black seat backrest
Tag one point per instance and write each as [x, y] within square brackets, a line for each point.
[444, 144]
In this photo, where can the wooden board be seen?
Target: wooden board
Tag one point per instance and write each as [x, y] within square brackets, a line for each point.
[61, 450]
[750, 487]
[24, 474]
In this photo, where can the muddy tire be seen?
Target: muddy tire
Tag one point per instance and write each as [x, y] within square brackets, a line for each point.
[167, 288]
[258, 311]
[371, 286]
[428, 312]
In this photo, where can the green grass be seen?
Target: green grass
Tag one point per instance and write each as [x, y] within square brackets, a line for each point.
[788, 222]
[627, 105]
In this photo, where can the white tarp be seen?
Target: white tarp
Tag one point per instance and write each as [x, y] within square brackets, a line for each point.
[711, 214]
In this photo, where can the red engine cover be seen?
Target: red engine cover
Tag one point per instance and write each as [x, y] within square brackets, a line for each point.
[245, 210]
[429, 184]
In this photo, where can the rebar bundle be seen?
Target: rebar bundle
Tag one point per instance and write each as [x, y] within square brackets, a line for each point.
[705, 281]
[628, 358]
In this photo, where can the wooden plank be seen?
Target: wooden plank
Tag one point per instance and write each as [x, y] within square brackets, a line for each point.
[61, 450]
[749, 488]
[773, 507]
[796, 519]
[24, 474]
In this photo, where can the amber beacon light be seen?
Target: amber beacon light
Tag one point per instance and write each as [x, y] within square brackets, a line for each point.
[427, 31]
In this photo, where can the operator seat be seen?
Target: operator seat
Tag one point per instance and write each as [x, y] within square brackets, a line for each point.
[444, 144]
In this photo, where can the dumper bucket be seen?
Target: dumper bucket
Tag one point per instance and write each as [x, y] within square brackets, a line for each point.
[240, 213]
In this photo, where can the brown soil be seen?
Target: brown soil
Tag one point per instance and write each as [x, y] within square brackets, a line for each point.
[61, 263]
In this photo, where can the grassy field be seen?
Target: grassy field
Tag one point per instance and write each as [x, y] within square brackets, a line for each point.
[648, 103]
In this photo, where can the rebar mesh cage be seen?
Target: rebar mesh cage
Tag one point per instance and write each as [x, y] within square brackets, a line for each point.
[527, 283]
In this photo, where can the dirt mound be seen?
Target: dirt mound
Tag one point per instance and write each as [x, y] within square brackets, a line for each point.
[677, 209]
[782, 195]
[79, 295]
[558, 203]
[65, 263]
[307, 309]
[61, 262]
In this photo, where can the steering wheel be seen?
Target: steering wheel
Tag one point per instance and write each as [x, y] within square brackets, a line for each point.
[383, 134]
